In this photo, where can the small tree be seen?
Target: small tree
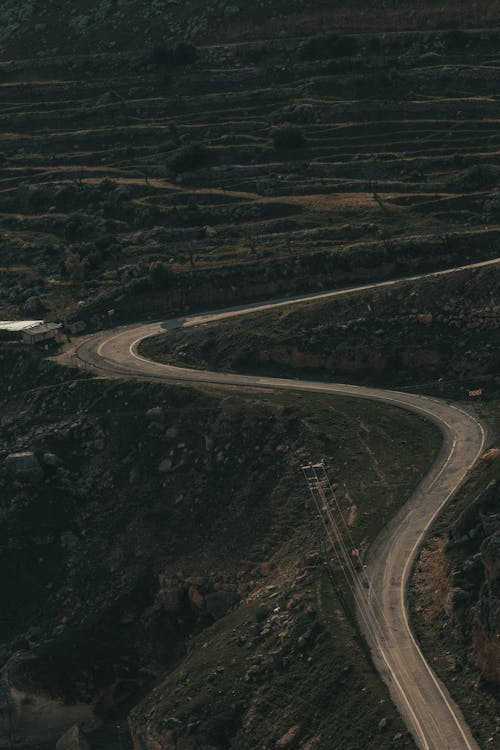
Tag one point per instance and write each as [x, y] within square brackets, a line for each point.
[188, 157]
[74, 266]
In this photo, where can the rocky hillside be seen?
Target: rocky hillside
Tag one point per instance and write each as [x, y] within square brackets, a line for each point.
[149, 560]
[106, 25]
[475, 593]
[456, 597]
[182, 175]
[441, 334]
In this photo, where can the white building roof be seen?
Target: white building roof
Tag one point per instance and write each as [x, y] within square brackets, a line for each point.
[18, 325]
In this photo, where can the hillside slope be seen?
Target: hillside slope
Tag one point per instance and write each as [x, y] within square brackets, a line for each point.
[134, 519]
[439, 334]
[123, 24]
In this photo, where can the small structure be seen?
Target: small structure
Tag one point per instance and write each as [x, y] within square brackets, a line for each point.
[30, 331]
[43, 332]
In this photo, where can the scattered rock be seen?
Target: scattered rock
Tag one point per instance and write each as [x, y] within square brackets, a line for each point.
[383, 724]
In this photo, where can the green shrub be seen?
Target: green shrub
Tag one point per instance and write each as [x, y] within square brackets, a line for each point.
[328, 45]
[254, 53]
[188, 157]
[380, 85]
[456, 40]
[178, 54]
[74, 266]
[288, 136]
[481, 177]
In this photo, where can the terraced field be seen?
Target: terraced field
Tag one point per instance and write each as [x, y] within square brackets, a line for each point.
[113, 161]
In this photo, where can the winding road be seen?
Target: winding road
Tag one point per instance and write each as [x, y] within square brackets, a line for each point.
[430, 714]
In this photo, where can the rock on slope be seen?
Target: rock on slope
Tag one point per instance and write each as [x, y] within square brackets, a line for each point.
[475, 596]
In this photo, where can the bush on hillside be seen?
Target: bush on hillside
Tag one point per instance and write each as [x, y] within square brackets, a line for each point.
[479, 177]
[188, 157]
[287, 136]
[456, 40]
[74, 266]
[380, 85]
[253, 53]
[178, 54]
[328, 45]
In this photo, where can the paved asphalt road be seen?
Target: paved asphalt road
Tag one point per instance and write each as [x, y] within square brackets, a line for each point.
[433, 718]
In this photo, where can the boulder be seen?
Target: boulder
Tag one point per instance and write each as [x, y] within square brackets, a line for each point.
[165, 466]
[196, 598]
[73, 739]
[383, 724]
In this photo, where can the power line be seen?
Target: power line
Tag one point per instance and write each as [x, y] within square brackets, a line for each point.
[338, 534]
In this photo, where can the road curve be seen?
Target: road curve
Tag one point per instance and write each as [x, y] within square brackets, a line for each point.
[433, 718]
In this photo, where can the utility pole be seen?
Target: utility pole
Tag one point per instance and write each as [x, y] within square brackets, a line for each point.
[334, 528]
